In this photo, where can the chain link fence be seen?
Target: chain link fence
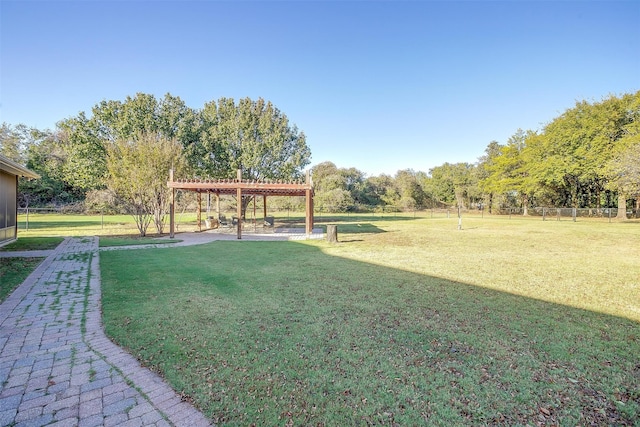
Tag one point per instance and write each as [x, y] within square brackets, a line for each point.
[569, 213]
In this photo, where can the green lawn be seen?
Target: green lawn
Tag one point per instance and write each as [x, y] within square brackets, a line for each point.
[75, 225]
[13, 271]
[32, 244]
[412, 322]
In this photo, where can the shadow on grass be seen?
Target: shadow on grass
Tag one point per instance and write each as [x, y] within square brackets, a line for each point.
[362, 217]
[340, 219]
[356, 228]
[278, 332]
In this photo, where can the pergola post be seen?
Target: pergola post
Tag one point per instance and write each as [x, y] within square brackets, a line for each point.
[199, 214]
[254, 213]
[239, 209]
[264, 208]
[172, 208]
[308, 221]
[172, 214]
[309, 214]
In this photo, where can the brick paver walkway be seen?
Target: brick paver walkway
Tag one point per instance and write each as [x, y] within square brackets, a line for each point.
[56, 365]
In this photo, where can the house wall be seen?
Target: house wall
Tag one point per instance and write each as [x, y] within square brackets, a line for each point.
[8, 192]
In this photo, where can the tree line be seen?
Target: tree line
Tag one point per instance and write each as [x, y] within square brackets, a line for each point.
[589, 156]
[118, 157]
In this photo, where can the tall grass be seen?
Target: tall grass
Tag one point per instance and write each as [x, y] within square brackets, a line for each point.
[406, 321]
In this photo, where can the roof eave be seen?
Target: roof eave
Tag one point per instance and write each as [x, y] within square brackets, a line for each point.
[14, 168]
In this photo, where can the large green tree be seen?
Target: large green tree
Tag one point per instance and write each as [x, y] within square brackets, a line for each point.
[623, 170]
[84, 166]
[626, 168]
[13, 142]
[43, 152]
[409, 189]
[380, 190]
[569, 158]
[86, 139]
[573, 161]
[253, 136]
[348, 189]
[483, 171]
[168, 117]
[46, 156]
[331, 188]
[508, 171]
[454, 183]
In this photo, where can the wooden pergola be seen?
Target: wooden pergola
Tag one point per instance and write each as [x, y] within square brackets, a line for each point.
[242, 187]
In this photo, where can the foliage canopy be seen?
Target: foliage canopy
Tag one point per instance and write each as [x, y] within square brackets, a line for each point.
[585, 157]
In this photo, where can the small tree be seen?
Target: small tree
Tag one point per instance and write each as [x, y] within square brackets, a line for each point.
[138, 174]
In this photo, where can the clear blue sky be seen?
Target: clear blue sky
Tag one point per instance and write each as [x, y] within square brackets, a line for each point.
[376, 85]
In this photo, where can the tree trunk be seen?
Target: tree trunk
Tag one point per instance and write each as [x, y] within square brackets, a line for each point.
[332, 233]
[245, 203]
[622, 206]
[525, 205]
[460, 199]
